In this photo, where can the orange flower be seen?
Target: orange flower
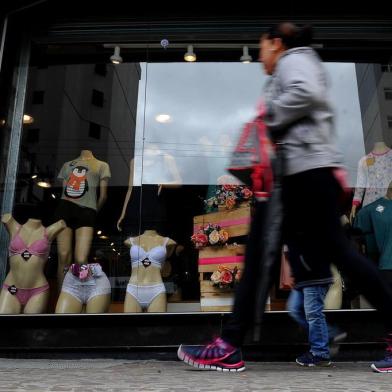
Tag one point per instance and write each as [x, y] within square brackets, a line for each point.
[230, 203]
[223, 235]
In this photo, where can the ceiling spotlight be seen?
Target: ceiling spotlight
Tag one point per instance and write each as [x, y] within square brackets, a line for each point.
[53, 196]
[245, 58]
[163, 118]
[99, 232]
[34, 176]
[112, 244]
[116, 58]
[103, 237]
[190, 54]
[44, 184]
[27, 119]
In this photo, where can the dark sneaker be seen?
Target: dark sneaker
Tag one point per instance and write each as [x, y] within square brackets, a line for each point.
[385, 365]
[308, 359]
[218, 355]
[334, 343]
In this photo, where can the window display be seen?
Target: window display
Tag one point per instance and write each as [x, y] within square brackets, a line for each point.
[134, 188]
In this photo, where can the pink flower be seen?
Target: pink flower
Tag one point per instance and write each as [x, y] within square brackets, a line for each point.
[247, 193]
[226, 277]
[199, 239]
[228, 187]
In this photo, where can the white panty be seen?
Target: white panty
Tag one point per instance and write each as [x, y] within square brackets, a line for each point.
[144, 295]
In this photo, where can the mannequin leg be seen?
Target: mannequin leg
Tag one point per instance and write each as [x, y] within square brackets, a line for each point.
[68, 304]
[37, 304]
[64, 249]
[98, 304]
[159, 304]
[131, 305]
[334, 297]
[83, 239]
[9, 304]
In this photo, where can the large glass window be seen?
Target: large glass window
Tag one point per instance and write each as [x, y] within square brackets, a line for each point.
[123, 202]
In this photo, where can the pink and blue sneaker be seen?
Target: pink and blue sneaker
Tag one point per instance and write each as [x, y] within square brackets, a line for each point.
[218, 355]
[385, 365]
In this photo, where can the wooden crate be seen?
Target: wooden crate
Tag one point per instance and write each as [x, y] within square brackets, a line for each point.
[211, 257]
[214, 299]
[235, 221]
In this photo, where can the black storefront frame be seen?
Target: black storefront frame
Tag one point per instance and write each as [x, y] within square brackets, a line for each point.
[149, 331]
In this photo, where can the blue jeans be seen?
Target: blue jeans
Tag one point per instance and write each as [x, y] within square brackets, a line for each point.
[306, 307]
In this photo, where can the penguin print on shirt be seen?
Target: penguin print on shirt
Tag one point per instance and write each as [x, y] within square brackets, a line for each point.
[81, 180]
[77, 184]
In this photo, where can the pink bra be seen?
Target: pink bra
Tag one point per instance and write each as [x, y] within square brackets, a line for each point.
[39, 248]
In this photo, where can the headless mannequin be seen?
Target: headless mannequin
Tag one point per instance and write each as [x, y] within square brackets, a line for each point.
[379, 148]
[79, 255]
[150, 275]
[151, 155]
[27, 274]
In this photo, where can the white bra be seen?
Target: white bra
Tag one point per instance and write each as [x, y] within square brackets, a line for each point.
[155, 256]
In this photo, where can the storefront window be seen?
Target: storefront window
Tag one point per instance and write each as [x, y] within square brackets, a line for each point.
[123, 203]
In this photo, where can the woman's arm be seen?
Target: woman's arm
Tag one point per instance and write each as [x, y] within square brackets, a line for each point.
[298, 77]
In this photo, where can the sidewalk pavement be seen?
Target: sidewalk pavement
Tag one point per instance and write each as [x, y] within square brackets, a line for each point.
[109, 375]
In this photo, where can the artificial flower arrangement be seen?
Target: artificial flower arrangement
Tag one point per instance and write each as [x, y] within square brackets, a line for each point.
[209, 235]
[229, 196]
[225, 277]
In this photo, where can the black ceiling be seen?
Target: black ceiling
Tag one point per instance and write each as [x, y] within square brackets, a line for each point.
[348, 33]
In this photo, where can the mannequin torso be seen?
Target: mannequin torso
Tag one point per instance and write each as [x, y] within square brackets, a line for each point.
[373, 177]
[25, 284]
[29, 273]
[146, 289]
[149, 240]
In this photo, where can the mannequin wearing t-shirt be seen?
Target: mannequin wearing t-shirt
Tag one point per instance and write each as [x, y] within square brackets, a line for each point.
[25, 289]
[376, 218]
[373, 176]
[146, 290]
[82, 178]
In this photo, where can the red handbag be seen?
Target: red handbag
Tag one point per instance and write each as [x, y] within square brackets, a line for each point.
[251, 159]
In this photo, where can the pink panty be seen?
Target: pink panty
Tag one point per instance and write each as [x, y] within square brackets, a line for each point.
[24, 295]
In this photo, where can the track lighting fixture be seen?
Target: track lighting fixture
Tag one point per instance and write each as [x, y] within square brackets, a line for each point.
[116, 58]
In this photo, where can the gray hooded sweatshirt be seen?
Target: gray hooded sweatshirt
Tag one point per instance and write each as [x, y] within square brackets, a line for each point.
[299, 113]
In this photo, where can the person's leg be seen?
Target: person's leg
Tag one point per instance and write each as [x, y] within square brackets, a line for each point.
[318, 331]
[315, 209]
[295, 306]
[224, 353]
[316, 195]
[242, 315]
